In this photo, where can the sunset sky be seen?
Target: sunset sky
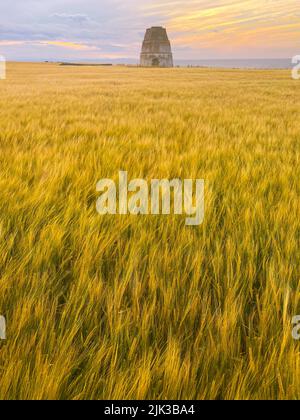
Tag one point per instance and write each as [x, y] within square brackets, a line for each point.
[114, 29]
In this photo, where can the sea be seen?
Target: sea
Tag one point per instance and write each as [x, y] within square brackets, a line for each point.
[268, 63]
[277, 63]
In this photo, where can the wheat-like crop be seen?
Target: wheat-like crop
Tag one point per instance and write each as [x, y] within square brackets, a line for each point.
[144, 307]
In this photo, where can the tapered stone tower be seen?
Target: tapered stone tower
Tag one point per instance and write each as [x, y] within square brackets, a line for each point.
[156, 50]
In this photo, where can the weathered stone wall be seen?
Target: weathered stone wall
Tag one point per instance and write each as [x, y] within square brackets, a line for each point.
[156, 49]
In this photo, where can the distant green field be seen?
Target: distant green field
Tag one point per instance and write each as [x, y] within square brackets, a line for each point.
[127, 307]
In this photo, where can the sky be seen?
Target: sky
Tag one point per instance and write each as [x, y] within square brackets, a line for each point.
[113, 29]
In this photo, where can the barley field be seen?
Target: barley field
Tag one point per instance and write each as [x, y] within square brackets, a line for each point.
[144, 307]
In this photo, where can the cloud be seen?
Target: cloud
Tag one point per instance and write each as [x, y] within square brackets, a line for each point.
[11, 43]
[197, 28]
[76, 18]
[62, 44]
[68, 45]
[232, 28]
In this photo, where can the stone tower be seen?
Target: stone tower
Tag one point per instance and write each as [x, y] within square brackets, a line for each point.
[156, 50]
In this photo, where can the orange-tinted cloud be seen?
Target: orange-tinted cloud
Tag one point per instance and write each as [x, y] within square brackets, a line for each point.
[11, 43]
[231, 24]
[68, 45]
